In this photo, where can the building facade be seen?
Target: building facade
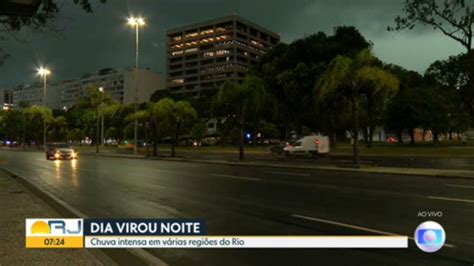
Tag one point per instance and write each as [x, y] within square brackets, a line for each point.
[120, 84]
[6, 98]
[202, 56]
[33, 94]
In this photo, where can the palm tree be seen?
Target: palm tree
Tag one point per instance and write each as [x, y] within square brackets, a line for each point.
[354, 78]
[240, 101]
[170, 116]
[142, 116]
[96, 99]
[107, 111]
[158, 115]
[182, 112]
[56, 126]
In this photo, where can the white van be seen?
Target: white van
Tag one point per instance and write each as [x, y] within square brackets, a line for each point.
[310, 145]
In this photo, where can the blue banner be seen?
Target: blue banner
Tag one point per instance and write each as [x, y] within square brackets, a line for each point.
[143, 227]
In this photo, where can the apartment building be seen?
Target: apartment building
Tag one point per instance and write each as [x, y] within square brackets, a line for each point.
[202, 56]
[120, 84]
[33, 94]
[6, 98]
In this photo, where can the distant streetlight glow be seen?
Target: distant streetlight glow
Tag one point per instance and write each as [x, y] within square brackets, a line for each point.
[42, 71]
[133, 21]
[136, 22]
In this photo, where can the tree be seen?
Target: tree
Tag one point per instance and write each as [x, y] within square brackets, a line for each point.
[198, 131]
[290, 72]
[181, 113]
[44, 18]
[35, 117]
[57, 127]
[404, 110]
[142, 116]
[96, 99]
[158, 115]
[240, 101]
[297, 85]
[450, 79]
[454, 18]
[377, 99]
[354, 77]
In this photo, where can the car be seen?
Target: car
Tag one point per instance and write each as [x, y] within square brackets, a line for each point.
[391, 140]
[60, 151]
[279, 148]
[310, 146]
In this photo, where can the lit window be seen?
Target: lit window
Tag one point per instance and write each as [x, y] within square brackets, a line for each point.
[177, 52]
[191, 50]
[177, 81]
[191, 35]
[206, 32]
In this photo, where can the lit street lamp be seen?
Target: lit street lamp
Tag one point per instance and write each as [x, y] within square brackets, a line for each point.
[136, 23]
[44, 73]
[98, 140]
[102, 139]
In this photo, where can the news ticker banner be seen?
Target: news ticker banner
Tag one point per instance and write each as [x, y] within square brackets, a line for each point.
[173, 233]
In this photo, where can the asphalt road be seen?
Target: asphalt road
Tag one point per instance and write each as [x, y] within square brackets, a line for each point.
[237, 200]
[442, 162]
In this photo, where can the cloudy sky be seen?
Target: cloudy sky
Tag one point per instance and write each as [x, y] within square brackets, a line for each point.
[90, 42]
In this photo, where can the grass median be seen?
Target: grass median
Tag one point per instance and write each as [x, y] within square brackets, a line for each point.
[443, 149]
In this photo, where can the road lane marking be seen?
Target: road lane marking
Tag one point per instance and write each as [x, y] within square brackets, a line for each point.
[459, 186]
[452, 199]
[239, 177]
[286, 173]
[365, 229]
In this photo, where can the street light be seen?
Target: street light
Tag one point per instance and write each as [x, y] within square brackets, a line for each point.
[102, 142]
[44, 73]
[98, 118]
[136, 22]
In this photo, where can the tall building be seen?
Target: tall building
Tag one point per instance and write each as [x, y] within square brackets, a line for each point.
[202, 56]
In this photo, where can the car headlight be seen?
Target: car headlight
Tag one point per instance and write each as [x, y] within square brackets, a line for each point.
[74, 154]
[57, 155]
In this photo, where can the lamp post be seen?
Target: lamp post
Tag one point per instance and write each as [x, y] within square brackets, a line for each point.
[44, 73]
[136, 22]
[102, 139]
[98, 140]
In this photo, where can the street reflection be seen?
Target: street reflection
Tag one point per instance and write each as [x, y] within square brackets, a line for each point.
[75, 174]
[57, 164]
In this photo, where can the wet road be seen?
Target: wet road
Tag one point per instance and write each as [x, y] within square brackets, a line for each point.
[263, 201]
[458, 163]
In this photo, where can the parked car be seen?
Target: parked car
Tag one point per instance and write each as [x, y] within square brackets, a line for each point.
[309, 146]
[60, 151]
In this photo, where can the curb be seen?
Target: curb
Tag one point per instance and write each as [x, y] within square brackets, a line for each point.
[105, 256]
[403, 171]
[114, 155]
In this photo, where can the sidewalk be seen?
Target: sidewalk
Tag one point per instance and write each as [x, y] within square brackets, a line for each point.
[17, 204]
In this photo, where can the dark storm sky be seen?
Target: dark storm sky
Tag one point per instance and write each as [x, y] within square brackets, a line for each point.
[93, 41]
